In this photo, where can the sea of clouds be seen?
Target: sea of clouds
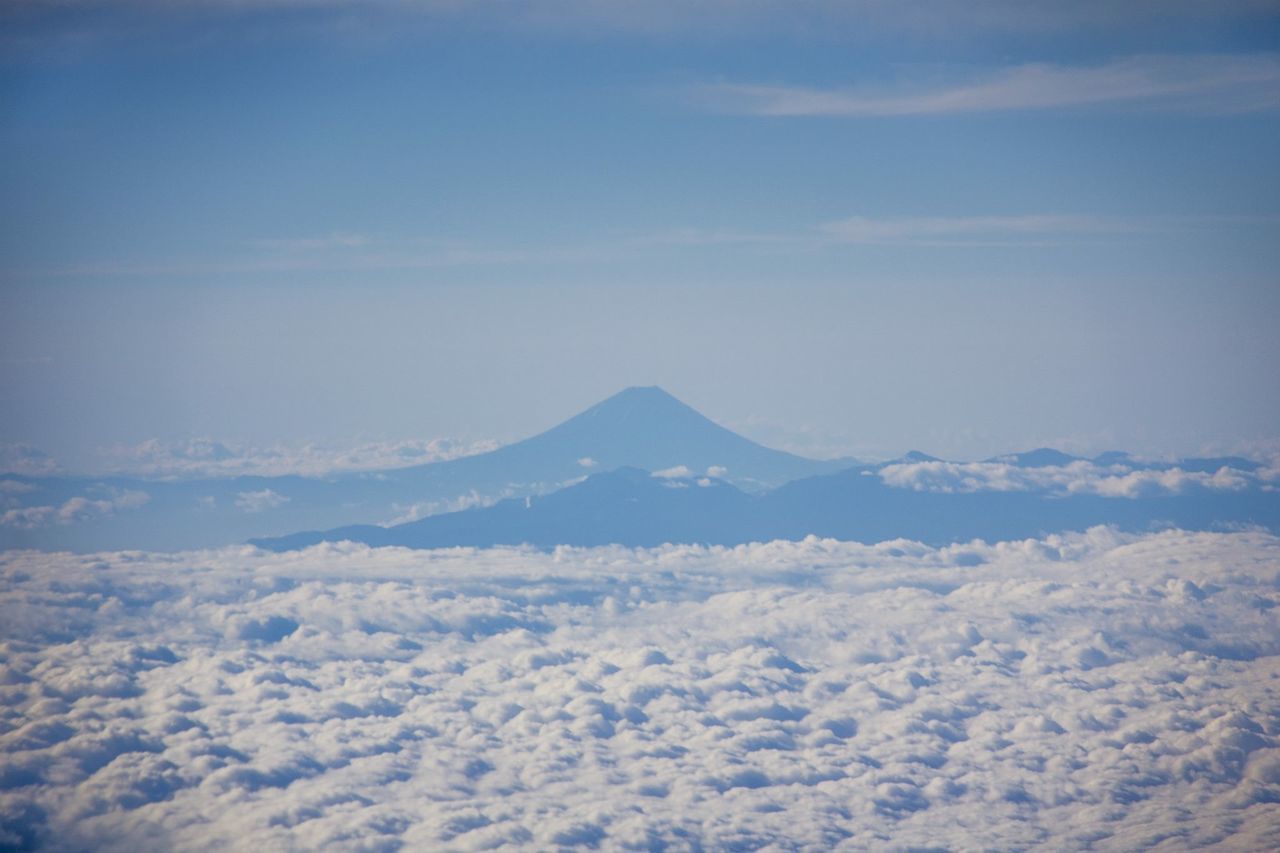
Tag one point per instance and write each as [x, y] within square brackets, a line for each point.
[1093, 689]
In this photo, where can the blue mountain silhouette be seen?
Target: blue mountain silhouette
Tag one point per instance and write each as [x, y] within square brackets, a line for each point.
[641, 427]
[631, 507]
[588, 481]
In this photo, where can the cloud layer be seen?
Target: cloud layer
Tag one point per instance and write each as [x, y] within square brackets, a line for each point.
[72, 510]
[205, 457]
[1085, 690]
[1077, 478]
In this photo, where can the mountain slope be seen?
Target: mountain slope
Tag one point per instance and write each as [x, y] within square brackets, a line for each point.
[627, 506]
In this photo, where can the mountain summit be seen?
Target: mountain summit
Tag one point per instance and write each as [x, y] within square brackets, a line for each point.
[645, 427]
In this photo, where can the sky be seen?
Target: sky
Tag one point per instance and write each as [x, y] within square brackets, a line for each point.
[839, 228]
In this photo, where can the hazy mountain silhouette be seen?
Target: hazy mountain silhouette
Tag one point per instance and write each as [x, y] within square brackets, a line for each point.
[626, 506]
[1042, 457]
[587, 481]
[641, 427]
[630, 507]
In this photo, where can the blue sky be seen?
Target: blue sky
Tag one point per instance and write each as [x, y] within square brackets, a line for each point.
[842, 228]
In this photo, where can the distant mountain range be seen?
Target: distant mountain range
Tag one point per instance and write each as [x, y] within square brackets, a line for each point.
[640, 468]
[631, 507]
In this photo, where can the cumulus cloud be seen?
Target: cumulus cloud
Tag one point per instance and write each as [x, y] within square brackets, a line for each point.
[1081, 477]
[675, 472]
[260, 501]
[75, 509]
[1085, 690]
[1216, 83]
[205, 457]
[421, 509]
[588, 462]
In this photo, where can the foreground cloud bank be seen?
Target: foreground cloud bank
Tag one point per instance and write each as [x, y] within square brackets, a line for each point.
[1092, 688]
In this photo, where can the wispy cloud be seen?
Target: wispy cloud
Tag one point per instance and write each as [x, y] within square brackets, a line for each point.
[1209, 84]
[345, 252]
[335, 240]
[864, 229]
[1022, 229]
[19, 458]
[349, 253]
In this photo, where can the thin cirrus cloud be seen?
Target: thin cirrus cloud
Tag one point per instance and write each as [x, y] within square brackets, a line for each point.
[350, 254]
[904, 229]
[1206, 84]
[962, 230]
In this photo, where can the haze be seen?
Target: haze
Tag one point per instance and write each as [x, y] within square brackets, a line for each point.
[840, 230]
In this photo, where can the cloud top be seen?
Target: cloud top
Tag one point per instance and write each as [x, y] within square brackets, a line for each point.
[1092, 689]
[1077, 478]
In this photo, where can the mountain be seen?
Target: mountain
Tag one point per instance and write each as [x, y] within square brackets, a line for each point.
[642, 427]
[627, 506]
[1042, 457]
[633, 508]
[589, 481]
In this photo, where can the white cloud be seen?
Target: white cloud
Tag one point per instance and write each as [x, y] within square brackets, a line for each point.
[1086, 690]
[28, 518]
[422, 509]
[260, 501]
[75, 509]
[1207, 83]
[678, 471]
[718, 471]
[205, 457]
[588, 462]
[1081, 477]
